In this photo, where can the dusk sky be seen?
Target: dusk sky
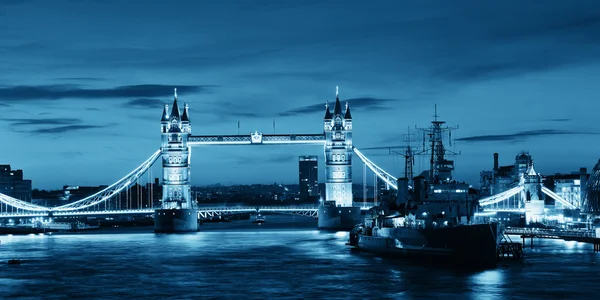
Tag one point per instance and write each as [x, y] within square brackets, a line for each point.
[82, 83]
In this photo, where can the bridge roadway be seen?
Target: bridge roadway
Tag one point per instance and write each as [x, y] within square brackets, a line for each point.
[203, 212]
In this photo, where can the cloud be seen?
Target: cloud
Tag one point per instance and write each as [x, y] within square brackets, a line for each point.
[57, 125]
[265, 156]
[381, 147]
[62, 91]
[519, 136]
[364, 103]
[225, 111]
[292, 74]
[558, 120]
[42, 121]
[282, 158]
[4, 104]
[70, 154]
[63, 129]
[508, 43]
[80, 79]
[144, 103]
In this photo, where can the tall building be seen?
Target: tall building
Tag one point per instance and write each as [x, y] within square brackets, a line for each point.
[308, 173]
[13, 185]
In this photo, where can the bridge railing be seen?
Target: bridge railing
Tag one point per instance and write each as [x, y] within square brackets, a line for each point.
[552, 232]
[257, 208]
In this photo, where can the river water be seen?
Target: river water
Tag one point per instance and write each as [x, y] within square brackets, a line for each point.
[285, 258]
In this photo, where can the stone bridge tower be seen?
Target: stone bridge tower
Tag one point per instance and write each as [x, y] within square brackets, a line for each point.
[532, 195]
[338, 154]
[337, 211]
[178, 212]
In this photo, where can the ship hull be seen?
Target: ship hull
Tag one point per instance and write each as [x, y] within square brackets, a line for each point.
[338, 218]
[473, 245]
[175, 220]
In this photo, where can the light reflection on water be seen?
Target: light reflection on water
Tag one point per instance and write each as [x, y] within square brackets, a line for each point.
[290, 261]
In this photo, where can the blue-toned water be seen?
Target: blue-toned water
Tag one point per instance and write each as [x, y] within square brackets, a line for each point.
[285, 258]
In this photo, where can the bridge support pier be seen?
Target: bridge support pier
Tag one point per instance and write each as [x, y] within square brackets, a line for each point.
[338, 218]
[175, 220]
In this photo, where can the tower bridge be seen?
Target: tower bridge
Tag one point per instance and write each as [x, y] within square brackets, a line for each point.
[178, 212]
[524, 196]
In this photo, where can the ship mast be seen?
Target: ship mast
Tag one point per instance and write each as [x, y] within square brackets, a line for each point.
[440, 168]
[408, 154]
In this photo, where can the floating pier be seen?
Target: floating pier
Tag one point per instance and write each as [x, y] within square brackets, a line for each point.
[510, 249]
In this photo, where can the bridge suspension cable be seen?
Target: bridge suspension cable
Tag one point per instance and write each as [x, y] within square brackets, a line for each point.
[381, 173]
[500, 196]
[113, 189]
[19, 204]
[558, 198]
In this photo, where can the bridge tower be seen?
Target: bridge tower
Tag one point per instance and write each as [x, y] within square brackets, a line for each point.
[178, 212]
[532, 194]
[337, 211]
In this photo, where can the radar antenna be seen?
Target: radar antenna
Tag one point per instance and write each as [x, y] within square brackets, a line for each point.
[440, 168]
[408, 152]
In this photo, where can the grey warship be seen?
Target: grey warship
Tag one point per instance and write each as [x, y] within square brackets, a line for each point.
[432, 217]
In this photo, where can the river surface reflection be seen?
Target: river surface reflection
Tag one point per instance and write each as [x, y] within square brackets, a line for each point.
[285, 258]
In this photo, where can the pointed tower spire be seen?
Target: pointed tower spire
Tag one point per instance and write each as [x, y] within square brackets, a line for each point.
[165, 114]
[337, 109]
[327, 111]
[531, 171]
[175, 111]
[185, 117]
[347, 115]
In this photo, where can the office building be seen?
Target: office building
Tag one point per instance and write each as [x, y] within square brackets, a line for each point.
[308, 172]
[13, 185]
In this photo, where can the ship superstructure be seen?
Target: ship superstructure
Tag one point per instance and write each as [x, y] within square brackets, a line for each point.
[435, 192]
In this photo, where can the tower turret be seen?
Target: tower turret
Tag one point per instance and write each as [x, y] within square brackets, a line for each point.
[347, 115]
[327, 123]
[185, 120]
[327, 112]
[347, 123]
[164, 121]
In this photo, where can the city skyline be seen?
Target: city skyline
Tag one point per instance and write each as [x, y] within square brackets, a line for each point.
[82, 104]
